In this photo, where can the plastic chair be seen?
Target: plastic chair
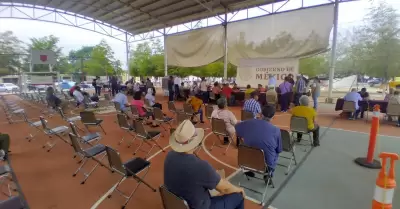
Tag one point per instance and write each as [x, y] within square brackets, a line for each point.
[218, 127]
[50, 132]
[159, 117]
[171, 201]
[124, 125]
[88, 118]
[244, 115]
[300, 125]
[147, 136]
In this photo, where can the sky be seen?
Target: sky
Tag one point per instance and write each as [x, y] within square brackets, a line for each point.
[350, 14]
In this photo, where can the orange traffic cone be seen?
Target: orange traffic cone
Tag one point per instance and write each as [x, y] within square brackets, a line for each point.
[385, 185]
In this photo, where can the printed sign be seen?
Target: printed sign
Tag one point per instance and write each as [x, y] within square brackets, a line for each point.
[44, 57]
[257, 71]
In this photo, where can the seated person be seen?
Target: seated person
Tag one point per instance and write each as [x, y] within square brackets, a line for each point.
[395, 99]
[249, 90]
[227, 91]
[252, 105]
[52, 99]
[122, 100]
[364, 94]
[263, 135]
[260, 88]
[216, 90]
[229, 118]
[303, 110]
[191, 178]
[72, 89]
[389, 95]
[272, 92]
[196, 102]
[355, 97]
[235, 88]
[152, 99]
[78, 95]
[139, 104]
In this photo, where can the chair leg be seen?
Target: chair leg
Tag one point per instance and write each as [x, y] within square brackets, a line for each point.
[131, 142]
[80, 166]
[120, 142]
[102, 129]
[139, 181]
[140, 145]
[94, 168]
[230, 141]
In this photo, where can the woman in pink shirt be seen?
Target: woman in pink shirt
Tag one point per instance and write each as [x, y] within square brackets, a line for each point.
[138, 102]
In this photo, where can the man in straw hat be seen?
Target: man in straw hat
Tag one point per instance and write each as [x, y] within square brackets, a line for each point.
[191, 178]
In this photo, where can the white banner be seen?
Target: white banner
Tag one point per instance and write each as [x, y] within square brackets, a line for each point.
[44, 57]
[40, 80]
[256, 71]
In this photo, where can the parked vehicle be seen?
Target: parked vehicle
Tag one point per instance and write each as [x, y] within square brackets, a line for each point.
[8, 87]
[374, 81]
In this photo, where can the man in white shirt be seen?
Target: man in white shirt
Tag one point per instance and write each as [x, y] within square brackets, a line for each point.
[204, 90]
[78, 95]
[271, 80]
[355, 97]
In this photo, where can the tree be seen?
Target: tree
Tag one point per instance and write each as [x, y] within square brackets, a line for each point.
[101, 61]
[46, 43]
[10, 47]
[313, 66]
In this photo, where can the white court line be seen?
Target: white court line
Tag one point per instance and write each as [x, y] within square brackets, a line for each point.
[359, 132]
[212, 156]
[102, 198]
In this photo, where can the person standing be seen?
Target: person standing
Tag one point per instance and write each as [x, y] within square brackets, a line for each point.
[177, 82]
[114, 85]
[315, 91]
[171, 89]
[286, 92]
[301, 88]
[204, 90]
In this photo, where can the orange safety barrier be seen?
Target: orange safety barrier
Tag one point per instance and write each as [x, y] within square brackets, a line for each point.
[369, 161]
[385, 184]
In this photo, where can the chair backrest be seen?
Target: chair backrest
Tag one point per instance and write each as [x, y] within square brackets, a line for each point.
[349, 106]
[393, 109]
[245, 115]
[209, 110]
[115, 161]
[87, 117]
[287, 142]
[73, 129]
[271, 99]
[171, 107]
[147, 103]
[44, 123]
[122, 121]
[187, 108]
[140, 130]
[117, 106]
[158, 114]
[12, 203]
[298, 124]
[218, 126]
[180, 117]
[75, 143]
[135, 111]
[170, 200]
[251, 158]
[86, 99]
[60, 110]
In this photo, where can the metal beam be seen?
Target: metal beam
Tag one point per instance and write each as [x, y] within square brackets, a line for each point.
[333, 53]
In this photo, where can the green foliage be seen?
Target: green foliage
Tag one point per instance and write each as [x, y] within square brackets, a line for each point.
[314, 66]
[10, 46]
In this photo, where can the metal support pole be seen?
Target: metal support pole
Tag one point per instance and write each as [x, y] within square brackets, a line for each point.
[332, 62]
[127, 50]
[165, 54]
[226, 46]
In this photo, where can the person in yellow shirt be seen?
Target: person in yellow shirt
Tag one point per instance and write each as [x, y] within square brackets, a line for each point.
[310, 114]
[196, 102]
[248, 90]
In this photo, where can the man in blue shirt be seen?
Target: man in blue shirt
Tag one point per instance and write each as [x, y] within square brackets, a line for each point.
[121, 98]
[191, 178]
[301, 89]
[263, 135]
[252, 105]
[355, 97]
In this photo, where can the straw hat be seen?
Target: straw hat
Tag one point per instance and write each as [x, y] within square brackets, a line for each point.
[186, 137]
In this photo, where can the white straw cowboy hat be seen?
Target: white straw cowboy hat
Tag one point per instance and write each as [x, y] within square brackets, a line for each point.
[186, 137]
